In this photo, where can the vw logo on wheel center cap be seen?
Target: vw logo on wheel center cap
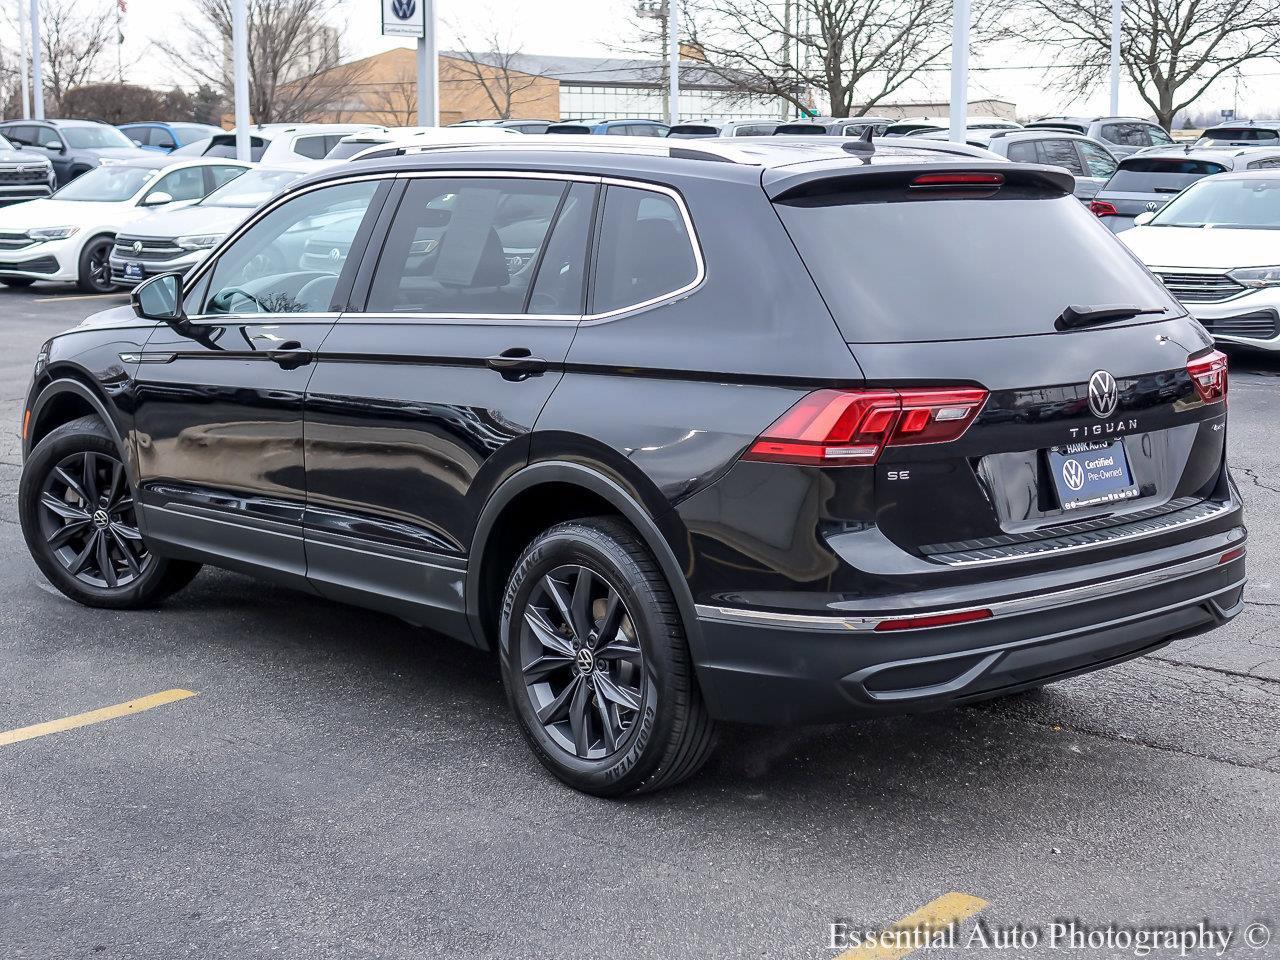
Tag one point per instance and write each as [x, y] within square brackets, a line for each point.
[101, 520]
[585, 660]
[1103, 394]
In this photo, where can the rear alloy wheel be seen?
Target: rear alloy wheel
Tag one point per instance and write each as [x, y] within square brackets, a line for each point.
[80, 522]
[95, 266]
[595, 662]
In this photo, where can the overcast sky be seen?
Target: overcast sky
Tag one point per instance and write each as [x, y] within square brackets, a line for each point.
[600, 27]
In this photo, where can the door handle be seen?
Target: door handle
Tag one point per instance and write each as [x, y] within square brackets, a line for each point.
[517, 363]
[290, 355]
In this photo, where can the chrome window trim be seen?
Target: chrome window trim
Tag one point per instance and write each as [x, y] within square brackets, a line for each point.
[358, 317]
[1002, 608]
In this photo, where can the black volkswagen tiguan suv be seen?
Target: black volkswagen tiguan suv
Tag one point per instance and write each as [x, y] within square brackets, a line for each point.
[685, 432]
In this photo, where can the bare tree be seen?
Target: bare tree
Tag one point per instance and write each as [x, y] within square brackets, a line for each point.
[1172, 50]
[856, 52]
[492, 62]
[393, 102]
[73, 38]
[295, 70]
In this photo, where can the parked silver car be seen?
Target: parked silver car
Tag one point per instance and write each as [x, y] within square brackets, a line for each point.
[1086, 159]
[1146, 181]
[1123, 136]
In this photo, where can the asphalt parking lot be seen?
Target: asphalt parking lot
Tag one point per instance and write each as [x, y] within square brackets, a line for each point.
[344, 785]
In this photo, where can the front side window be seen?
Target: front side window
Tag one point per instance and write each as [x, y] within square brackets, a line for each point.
[160, 137]
[1158, 136]
[290, 261]
[48, 137]
[645, 251]
[1062, 153]
[220, 176]
[1024, 151]
[465, 246]
[1099, 162]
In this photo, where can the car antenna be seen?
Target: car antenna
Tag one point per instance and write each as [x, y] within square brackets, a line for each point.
[862, 144]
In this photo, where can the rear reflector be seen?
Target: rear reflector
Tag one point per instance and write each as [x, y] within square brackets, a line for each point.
[1230, 555]
[959, 180]
[933, 620]
[1101, 208]
[851, 427]
[1209, 374]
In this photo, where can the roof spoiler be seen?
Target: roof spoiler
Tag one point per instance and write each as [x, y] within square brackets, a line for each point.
[825, 177]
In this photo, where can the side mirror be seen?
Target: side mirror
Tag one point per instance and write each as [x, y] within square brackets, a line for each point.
[160, 298]
[157, 198]
[55, 147]
[1142, 219]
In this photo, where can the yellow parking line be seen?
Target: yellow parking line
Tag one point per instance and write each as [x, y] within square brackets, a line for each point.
[93, 716]
[947, 909]
[86, 296]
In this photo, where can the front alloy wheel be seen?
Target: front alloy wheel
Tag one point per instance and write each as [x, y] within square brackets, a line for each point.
[87, 520]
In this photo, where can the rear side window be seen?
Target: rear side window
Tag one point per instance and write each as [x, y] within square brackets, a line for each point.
[1267, 163]
[1062, 153]
[1100, 163]
[465, 246]
[1156, 175]
[754, 130]
[894, 268]
[1024, 151]
[224, 145]
[1158, 136]
[1126, 134]
[313, 148]
[645, 251]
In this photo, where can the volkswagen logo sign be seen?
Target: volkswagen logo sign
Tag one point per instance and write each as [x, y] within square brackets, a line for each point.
[1073, 474]
[1152, 205]
[137, 246]
[1103, 395]
[404, 9]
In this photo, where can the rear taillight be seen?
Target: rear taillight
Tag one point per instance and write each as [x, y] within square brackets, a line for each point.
[1209, 374]
[852, 427]
[1101, 208]
[933, 620]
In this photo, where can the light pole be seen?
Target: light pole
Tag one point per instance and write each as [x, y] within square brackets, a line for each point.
[22, 59]
[673, 54]
[1115, 58]
[240, 65]
[37, 80]
[428, 69]
[959, 69]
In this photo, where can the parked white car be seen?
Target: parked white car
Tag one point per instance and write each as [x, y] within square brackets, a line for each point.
[276, 143]
[1216, 246]
[352, 144]
[171, 241]
[68, 237]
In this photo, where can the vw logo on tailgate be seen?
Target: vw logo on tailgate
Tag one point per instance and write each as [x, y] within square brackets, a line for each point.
[1103, 394]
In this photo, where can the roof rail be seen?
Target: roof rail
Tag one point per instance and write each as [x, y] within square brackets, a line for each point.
[681, 149]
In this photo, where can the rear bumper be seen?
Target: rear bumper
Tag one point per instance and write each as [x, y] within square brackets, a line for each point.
[761, 667]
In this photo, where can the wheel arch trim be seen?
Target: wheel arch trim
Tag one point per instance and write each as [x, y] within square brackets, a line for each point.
[64, 383]
[608, 489]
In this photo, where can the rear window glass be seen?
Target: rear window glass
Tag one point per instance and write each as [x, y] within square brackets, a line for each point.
[1239, 135]
[798, 129]
[895, 271]
[1151, 175]
[224, 145]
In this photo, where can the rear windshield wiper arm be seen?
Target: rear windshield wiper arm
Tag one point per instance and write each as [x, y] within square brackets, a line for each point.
[1081, 315]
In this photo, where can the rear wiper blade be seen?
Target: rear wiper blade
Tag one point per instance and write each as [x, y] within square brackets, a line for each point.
[1081, 315]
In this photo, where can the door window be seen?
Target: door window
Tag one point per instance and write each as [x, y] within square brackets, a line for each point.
[184, 184]
[1126, 134]
[24, 135]
[560, 286]
[1024, 151]
[160, 137]
[465, 246]
[1158, 136]
[1096, 159]
[290, 261]
[48, 137]
[220, 176]
[312, 147]
[645, 251]
[1062, 153]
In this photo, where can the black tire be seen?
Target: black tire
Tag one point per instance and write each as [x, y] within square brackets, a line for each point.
[18, 283]
[116, 570]
[638, 656]
[95, 266]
